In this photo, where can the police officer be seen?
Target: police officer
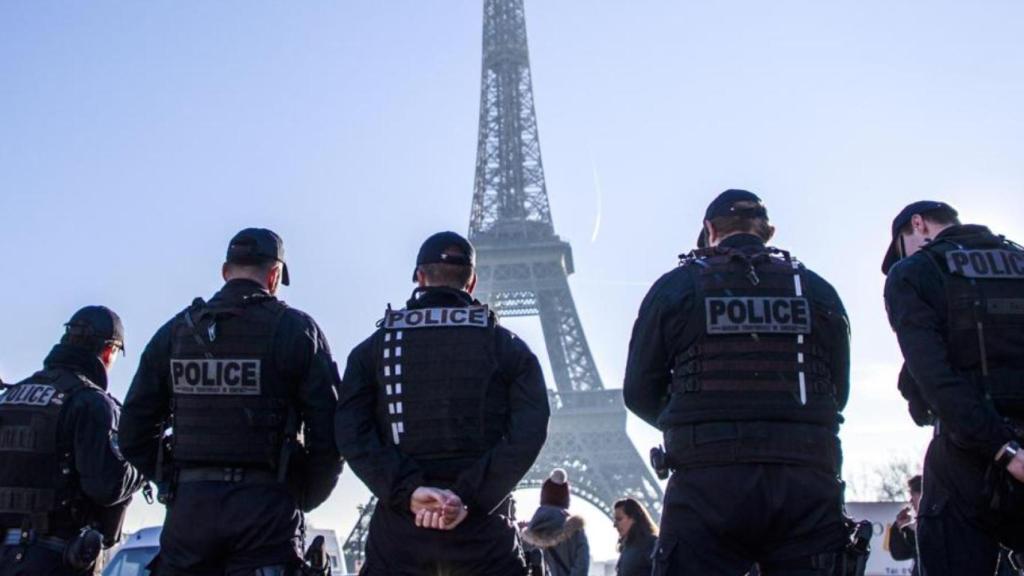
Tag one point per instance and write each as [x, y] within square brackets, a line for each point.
[442, 413]
[235, 380]
[955, 297]
[741, 357]
[64, 485]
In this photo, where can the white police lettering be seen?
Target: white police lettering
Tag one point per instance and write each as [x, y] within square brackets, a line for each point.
[472, 316]
[29, 395]
[216, 377]
[990, 264]
[739, 314]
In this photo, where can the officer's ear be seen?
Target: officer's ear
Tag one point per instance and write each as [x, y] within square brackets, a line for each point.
[471, 285]
[710, 235]
[919, 224]
[273, 278]
[771, 233]
[108, 355]
[421, 278]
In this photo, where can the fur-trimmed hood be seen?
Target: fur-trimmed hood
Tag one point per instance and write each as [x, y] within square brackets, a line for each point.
[550, 526]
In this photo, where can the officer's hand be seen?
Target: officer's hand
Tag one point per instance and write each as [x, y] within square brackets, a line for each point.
[436, 508]
[426, 498]
[454, 510]
[1016, 467]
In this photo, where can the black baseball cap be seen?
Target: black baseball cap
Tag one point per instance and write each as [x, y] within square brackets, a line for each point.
[725, 205]
[438, 250]
[894, 253]
[97, 322]
[258, 246]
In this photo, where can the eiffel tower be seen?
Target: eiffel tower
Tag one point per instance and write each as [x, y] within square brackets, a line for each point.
[523, 269]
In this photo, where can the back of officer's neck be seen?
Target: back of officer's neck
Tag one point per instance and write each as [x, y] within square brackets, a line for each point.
[241, 281]
[737, 239]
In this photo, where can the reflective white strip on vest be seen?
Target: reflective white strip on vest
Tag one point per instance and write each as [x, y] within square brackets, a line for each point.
[216, 376]
[798, 289]
[988, 264]
[472, 317]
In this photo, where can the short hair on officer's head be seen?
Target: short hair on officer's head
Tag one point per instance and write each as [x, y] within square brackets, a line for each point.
[455, 276]
[740, 224]
[942, 216]
[257, 270]
[94, 344]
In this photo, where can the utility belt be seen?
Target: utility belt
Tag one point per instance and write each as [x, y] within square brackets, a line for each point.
[17, 537]
[232, 474]
[78, 553]
[719, 443]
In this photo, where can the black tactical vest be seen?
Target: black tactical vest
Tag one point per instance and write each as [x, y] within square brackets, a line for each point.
[38, 483]
[757, 355]
[436, 368]
[230, 405]
[984, 284]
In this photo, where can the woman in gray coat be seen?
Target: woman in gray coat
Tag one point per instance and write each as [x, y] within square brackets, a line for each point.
[557, 533]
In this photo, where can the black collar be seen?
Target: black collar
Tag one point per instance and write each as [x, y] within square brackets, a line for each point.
[78, 360]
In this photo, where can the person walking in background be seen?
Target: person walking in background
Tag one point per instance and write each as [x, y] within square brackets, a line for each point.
[902, 533]
[637, 537]
[559, 534]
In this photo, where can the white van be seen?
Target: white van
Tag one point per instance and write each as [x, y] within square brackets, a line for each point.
[138, 549]
[134, 553]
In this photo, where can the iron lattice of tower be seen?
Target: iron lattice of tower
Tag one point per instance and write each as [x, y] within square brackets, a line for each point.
[523, 269]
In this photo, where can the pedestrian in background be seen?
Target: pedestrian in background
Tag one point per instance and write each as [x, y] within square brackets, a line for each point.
[637, 537]
[559, 534]
[902, 533]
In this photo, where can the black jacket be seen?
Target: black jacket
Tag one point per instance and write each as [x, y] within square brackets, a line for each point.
[635, 557]
[482, 484]
[303, 357]
[91, 419]
[660, 334]
[915, 299]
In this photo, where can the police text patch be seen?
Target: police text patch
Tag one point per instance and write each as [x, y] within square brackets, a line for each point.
[217, 377]
[473, 316]
[741, 315]
[986, 263]
[29, 395]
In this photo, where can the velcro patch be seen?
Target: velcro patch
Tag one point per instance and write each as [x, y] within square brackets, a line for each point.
[755, 314]
[992, 264]
[1013, 306]
[472, 316]
[29, 395]
[216, 376]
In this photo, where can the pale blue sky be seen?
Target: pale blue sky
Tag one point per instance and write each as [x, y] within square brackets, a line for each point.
[136, 138]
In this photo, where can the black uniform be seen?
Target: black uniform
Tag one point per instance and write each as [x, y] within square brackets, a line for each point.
[741, 357]
[957, 307]
[441, 396]
[60, 466]
[237, 378]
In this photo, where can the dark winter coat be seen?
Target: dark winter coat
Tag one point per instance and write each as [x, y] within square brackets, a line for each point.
[561, 538]
[635, 557]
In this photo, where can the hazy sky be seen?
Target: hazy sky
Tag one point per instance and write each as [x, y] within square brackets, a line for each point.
[136, 138]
